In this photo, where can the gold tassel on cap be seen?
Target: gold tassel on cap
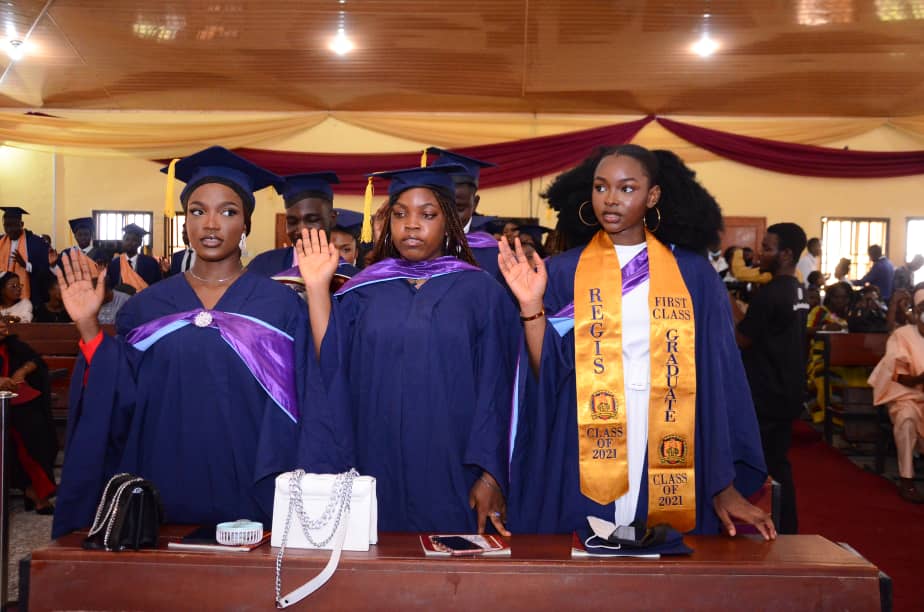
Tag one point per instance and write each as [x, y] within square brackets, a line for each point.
[366, 233]
[423, 159]
[170, 197]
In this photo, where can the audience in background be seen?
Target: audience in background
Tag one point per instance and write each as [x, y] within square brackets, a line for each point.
[880, 274]
[53, 310]
[772, 339]
[810, 260]
[831, 316]
[897, 381]
[12, 304]
[904, 274]
[900, 309]
[868, 313]
[112, 303]
[841, 270]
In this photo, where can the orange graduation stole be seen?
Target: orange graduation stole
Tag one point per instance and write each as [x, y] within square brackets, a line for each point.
[128, 274]
[7, 264]
[601, 402]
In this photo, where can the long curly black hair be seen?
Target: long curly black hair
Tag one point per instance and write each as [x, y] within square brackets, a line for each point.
[690, 216]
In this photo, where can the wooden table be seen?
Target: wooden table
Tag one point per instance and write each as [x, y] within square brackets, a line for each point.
[794, 572]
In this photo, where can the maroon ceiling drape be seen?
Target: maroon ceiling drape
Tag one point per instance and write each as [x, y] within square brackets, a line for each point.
[517, 161]
[804, 160]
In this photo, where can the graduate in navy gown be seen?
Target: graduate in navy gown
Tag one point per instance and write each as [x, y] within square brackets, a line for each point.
[424, 343]
[548, 488]
[25, 254]
[309, 202]
[144, 265]
[209, 390]
[482, 244]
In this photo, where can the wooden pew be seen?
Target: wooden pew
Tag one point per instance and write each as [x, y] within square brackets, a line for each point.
[57, 344]
[856, 403]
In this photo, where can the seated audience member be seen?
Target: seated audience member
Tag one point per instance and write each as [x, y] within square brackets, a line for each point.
[897, 381]
[900, 309]
[813, 297]
[868, 314]
[112, 303]
[12, 304]
[880, 274]
[815, 280]
[904, 275]
[32, 431]
[842, 270]
[830, 316]
[53, 310]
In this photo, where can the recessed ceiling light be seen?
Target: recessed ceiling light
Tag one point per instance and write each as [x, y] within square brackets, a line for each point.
[341, 45]
[14, 49]
[705, 46]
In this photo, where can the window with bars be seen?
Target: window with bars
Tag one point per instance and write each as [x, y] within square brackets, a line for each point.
[850, 238]
[173, 234]
[914, 243]
[109, 224]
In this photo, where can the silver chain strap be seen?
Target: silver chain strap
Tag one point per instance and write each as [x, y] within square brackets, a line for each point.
[108, 519]
[338, 502]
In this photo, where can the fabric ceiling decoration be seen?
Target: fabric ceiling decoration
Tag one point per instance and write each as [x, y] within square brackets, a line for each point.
[799, 159]
[519, 160]
[129, 134]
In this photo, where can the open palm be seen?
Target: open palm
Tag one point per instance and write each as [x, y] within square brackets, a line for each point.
[75, 277]
[317, 260]
[526, 279]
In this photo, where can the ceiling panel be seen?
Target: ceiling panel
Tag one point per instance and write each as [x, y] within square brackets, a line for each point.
[776, 57]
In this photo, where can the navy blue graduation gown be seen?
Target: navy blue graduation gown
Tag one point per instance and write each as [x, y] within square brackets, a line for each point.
[273, 262]
[189, 415]
[487, 261]
[37, 252]
[429, 375]
[545, 481]
[146, 267]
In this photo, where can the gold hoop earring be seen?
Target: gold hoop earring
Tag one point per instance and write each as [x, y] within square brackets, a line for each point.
[581, 215]
[645, 221]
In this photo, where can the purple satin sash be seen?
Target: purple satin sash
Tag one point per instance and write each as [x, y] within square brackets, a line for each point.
[481, 240]
[390, 269]
[294, 276]
[634, 274]
[267, 352]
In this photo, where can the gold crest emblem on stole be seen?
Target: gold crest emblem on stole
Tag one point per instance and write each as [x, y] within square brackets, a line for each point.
[673, 449]
[603, 405]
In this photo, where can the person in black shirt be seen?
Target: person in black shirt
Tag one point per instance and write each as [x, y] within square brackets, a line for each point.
[772, 340]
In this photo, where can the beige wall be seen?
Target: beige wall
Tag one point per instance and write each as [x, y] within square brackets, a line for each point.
[55, 188]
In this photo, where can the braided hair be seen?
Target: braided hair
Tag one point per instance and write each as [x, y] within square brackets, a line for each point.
[457, 245]
[690, 216]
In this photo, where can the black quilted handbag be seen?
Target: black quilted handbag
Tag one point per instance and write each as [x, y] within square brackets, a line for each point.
[128, 517]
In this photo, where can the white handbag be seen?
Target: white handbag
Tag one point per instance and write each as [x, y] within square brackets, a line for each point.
[345, 512]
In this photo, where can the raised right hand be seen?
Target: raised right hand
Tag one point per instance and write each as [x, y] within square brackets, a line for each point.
[526, 279]
[317, 260]
[75, 276]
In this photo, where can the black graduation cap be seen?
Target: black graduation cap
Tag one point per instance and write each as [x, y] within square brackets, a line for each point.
[131, 228]
[294, 185]
[472, 167]
[80, 222]
[535, 232]
[439, 177]
[349, 220]
[481, 222]
[220, 163]
[13, 212]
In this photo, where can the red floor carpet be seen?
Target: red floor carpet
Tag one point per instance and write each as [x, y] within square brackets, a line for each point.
[845, 503]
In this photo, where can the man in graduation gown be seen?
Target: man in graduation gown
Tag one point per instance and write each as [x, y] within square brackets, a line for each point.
[181, 261]
[24, 254]
[82, 228]
[309, 202]
[483, 245]
[143, 265]
[545, 480]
